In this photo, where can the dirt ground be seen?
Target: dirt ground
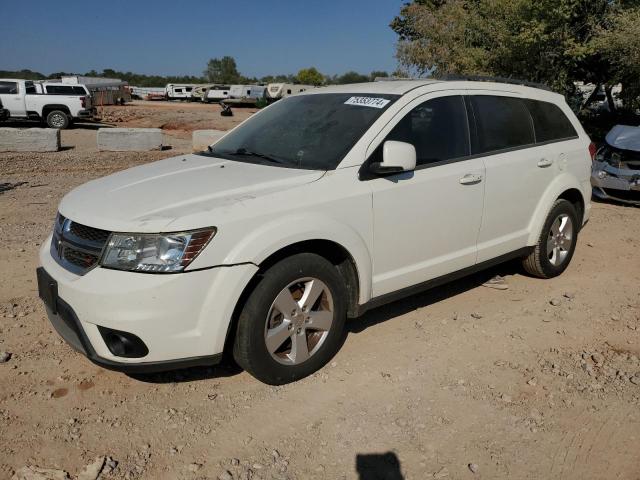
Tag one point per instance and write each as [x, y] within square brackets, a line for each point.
[540, 381]
[177, 119]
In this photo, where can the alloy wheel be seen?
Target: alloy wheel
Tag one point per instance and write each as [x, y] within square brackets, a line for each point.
[560, 240]
[299, 321]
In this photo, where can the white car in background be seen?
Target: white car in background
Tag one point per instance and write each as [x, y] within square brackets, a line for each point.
[317, 208]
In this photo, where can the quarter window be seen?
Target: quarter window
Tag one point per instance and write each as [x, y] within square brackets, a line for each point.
[65, 90]
[501, 123]
[437, 128]
[549, 122]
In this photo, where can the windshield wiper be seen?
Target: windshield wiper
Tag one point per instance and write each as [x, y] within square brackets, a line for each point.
[248, 153]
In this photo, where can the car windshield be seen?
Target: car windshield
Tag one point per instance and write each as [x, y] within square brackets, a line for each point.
[311, 132]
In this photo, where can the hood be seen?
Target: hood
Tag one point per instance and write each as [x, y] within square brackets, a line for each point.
[624, 137]
[178, 193]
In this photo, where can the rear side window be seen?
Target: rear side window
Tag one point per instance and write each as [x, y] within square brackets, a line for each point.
[437, 128]
[65, 90]
[29, 87]
[501, 123]
[549, 122]
[9, 88]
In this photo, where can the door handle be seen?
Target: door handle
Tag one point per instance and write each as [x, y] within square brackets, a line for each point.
[545, 162]
[471, 179]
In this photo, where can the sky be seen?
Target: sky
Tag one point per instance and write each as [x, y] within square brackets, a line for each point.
[179, 37]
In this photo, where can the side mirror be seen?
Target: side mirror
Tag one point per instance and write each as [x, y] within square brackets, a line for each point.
[396, 157]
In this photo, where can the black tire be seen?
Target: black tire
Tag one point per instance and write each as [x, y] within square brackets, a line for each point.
[538, 263]
[57, 119]
[250, 349]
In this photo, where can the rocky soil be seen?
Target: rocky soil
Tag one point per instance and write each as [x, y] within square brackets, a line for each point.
[539, 381]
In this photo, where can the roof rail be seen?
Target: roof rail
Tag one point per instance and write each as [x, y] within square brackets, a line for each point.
[483, 78]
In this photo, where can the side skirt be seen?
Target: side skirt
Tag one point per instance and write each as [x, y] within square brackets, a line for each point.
[435, 282]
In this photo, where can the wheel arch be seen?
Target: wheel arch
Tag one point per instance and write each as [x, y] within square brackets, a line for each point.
[574, 196]
[51, 107]
[332, 251]
[565, 187]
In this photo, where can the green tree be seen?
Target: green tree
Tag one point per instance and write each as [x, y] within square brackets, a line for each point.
[378, 74]
[310, 76]
[352, 77]
[548, 41]
[22, 74]
[619, 44]
[278, 79]
[222, 70]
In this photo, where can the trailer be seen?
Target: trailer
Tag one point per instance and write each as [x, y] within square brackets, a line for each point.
[216, 93]
[276, 91]
[180, 91]
[104, 91]
[148, 93]
[246, 94]
[197, 94]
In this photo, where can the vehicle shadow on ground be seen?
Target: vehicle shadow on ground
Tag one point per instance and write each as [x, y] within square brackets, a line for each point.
[375, 466]
[429, 297]
[228, 368]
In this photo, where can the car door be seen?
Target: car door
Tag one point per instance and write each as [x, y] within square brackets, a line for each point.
[426, 222]
[518, 171]
[12, 98]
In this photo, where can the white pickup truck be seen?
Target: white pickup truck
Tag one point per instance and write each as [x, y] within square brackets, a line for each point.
[23, 101]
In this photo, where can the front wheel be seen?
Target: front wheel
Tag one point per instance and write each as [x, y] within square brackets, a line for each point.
[557, 242]
[292, 322]
[57, 119]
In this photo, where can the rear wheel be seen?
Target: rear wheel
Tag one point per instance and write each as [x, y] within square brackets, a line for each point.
[57, 119]
[557, 242]
[292, 322]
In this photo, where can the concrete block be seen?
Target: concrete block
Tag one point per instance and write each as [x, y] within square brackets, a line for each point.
[203, 138]
[129, 139]
[29, 140]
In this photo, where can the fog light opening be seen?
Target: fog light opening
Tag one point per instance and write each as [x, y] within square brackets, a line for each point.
[123, 344]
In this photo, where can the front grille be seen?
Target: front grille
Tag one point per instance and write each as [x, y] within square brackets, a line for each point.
[89, 233]
[78, 258]
[77, 247]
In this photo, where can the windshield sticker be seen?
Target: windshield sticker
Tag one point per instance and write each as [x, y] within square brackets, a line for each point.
[368, 102]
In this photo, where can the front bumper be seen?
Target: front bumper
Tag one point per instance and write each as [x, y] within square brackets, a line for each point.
[619, 184]
[183, 319]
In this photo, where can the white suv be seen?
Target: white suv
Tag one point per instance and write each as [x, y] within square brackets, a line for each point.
[315, 209]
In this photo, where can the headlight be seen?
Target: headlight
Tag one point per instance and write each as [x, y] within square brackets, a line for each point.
[165, 252]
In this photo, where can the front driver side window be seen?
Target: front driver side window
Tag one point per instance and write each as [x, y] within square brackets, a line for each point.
[437, 128]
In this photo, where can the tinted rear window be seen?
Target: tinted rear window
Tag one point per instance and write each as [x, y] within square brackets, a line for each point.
[8, 87]
[550, 122]
[501, 122]
[65, 90]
